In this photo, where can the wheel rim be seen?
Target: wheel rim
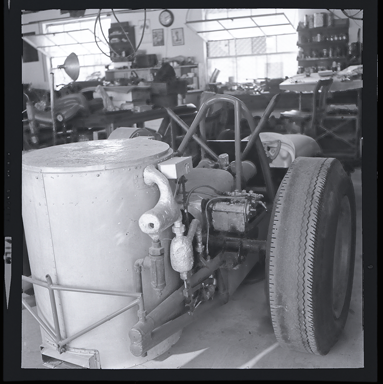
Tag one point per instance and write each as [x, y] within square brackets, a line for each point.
[341, 258]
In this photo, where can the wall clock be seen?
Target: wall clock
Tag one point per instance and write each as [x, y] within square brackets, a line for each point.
[166, 18]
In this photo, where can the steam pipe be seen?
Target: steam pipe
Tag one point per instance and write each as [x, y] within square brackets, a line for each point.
[165, 212]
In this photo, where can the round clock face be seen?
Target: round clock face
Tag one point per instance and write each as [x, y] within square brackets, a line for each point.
[166, 18]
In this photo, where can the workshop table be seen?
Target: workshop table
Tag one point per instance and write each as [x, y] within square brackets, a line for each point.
[302, 83]
[115, 119]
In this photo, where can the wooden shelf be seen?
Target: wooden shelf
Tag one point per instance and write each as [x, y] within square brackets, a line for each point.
[324, 58]
[305, 34]
[324, 29]
[319, 44]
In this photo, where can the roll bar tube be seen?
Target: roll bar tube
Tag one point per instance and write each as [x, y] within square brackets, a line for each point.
[239, 109]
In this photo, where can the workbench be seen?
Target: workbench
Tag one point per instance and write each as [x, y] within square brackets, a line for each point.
[112, 120]
[335, 132]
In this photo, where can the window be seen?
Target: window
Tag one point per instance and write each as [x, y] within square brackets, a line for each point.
[249, 43]
[77, 40]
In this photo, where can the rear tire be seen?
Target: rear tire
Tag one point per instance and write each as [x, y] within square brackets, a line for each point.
[310, 255]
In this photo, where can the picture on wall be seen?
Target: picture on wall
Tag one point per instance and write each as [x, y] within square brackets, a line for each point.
[141, 25]
[178, 36]
[158, 37]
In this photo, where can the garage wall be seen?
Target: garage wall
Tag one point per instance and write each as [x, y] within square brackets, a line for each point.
[37, 73]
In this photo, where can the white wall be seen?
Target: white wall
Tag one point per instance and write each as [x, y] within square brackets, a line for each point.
[37, 74]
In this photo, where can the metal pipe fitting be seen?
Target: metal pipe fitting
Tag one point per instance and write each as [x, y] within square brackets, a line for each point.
[139, 264]
[165, 212]
[141, 333]
[181, 247]
[157, 267]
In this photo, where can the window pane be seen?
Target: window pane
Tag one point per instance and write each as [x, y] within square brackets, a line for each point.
[218, 48]
[243, 46]
[286, 43]
[226, 67]
[277, 30]
[260, 65]
[232, 49]
[246, 69]
[271, 44]
[90, 57]
[206, 26]
[211, 36]
[259, 45]
[245, 32]
[237, 23]
[270, 20]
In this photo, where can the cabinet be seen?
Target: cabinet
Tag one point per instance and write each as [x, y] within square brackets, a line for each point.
[320, 47]
[120, 47]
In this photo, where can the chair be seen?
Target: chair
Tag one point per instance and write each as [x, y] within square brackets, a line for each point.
[338, 131]
[307, 120]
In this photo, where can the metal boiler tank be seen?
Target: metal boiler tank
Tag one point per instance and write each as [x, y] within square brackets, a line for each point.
[81, 203]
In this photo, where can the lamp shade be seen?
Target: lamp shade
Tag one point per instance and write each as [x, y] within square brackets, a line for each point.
[71, 66]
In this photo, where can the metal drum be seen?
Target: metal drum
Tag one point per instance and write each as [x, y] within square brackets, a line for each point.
[81, 203]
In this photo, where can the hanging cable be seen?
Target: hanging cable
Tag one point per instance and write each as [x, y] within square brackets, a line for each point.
[352, 16]
[143, 31]
[106, 40]
[94, 33]
[142, 36]
[333, 13]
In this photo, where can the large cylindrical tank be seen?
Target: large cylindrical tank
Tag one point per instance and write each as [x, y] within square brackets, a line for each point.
[81, 203]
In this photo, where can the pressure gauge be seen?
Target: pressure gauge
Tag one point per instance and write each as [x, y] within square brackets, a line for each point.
[166, 18]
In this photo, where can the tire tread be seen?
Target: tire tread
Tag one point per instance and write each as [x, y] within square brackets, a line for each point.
[305, 260]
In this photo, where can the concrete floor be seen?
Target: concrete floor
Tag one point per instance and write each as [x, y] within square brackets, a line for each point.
[239, 334]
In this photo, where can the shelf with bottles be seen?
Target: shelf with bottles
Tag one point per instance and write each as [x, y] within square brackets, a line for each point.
[327, 52]
[323, 59]
[325, 43]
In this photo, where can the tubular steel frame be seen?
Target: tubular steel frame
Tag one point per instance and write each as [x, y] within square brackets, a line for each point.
[240, 109]
[55, 334]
